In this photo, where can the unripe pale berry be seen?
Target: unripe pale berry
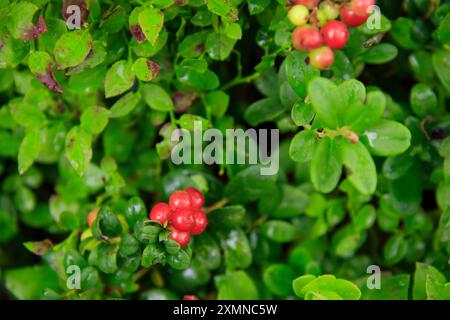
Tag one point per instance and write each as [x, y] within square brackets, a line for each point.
[321, 58]
[92, 216]
[321, 18]
[329, 9]
[335, 34]
[182, 219]
[310, 4]
[196, 198]
[181, 237]
[179, 199]
[160, 212]
[306, 38]
[350, 18]
[361, 7]
[200, 222]
[298, 15]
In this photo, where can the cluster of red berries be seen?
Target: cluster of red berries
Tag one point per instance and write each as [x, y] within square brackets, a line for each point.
[183, 215]
[319, 32]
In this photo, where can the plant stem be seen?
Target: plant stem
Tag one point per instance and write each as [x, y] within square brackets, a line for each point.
[217, 205]
[240, 80]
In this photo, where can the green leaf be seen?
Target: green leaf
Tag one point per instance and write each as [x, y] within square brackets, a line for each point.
[78, 149]
[151, 21]
[218, 102]
[441, 64]
[363, 116]
[104, 257]
[423, 274]
[94, 119]
[299, 73]
[302, 146]
[219, 46]
[424, 101]
[395, 249]
[30, 282]
[124, 105]
[156, 97]
[119, 79]
[365, 218]
[327, 101]
[29, 150]
[248, 185]
[144, 69]
[72, 48]
[227, 217]
[222, 8]
[207, 251]
[179, 261]
[152, 254]
[443, 31]
[326, 167]
[26, 115]
[299, 283]
[302, 114]
[20, 21]
[38, 62]
[362, 172]
[392, 288]
[235, 244]
[264, 110]
[279, 231]
[381, 53]
[236, 285]
[388, 138]
[278, 279]
[257, 6]
[187, 121]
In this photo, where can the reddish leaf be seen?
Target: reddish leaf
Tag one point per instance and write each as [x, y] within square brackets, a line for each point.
[49, 79]
[183, 101]
[39, 28]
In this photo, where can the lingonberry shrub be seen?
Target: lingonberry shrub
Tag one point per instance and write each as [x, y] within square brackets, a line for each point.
[89, 104]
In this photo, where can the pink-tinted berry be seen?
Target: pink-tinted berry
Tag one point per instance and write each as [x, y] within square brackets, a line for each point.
[200, 222]
[335, 34]
[160, 212]
[361, 7]
[181, 237]
[306, 38]
[179, 200]
[321, 58]
[182, 219]
[196, 198]
[350, 18]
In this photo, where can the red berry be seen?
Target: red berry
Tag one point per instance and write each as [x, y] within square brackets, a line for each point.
[310, 4]
[350, 18]
[361, 7]
[196, 198]
[181, 237]
[182, 219]
[200, 222]
[321, 58]
[190, 297]
[179, 199]
[335, 34]
[306, 38]
[160, 212]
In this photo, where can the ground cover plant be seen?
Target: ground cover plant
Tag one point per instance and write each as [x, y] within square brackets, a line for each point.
[93, 207]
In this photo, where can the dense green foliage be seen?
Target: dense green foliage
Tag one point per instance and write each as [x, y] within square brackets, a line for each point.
[85, 122]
